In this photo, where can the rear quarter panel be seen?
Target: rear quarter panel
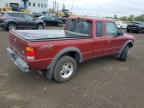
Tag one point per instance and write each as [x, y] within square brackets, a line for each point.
[86, 46]
[44, 54]
[18, 45]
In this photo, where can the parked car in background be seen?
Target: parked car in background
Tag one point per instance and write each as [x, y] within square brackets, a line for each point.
[121, 24]
[16, 20]
[50, 21]
[36, 15]
[63, 19]
[59, 51]
[136, 27]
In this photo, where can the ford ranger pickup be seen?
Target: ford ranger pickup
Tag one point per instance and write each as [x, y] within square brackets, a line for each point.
[59, 51]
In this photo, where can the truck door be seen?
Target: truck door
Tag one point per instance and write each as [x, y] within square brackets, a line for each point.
[100, 41]
[113, 41]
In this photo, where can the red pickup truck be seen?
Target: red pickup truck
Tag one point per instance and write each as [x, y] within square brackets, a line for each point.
[59, 51]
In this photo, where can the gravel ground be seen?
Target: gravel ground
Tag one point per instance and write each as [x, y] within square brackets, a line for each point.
[99, 83]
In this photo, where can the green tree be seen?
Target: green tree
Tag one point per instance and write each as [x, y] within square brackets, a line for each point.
[131, 18]
[140, 18]
[124, 18]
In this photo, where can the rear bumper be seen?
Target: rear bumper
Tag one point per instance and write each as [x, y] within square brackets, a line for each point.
[22, 65]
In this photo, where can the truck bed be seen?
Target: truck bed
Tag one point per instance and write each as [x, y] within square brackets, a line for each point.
[36, 35]
[39, 34]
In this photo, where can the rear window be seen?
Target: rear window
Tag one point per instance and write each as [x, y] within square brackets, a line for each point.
[81, 27]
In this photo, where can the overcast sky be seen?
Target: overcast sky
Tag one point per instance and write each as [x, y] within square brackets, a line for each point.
[103, 7]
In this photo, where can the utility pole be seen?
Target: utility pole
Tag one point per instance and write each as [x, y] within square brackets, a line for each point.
[57, 6]
[53, 5]
[47, 4]
[63, 6]
[25, 3]
[72, 8]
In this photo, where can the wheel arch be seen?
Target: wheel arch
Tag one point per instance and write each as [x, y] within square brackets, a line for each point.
[129, 43]
[11, 23]
[40, 23]
[69, 51]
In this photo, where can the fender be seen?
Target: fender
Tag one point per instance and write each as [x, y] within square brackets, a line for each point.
[11, 22]
[58, 55]
[124, 45]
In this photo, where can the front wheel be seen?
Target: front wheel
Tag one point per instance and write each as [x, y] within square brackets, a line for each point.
[64, 69]
[11, 26]
[59, 24]
[40, 26]
[124, 54]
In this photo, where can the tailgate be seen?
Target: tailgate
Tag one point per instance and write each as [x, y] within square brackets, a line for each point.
[17, 44]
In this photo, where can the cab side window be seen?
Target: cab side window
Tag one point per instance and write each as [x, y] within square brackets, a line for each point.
[83, 27]
[111, 29]
[99, 29]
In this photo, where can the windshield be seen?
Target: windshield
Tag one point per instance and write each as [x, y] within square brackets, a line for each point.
[137, 23]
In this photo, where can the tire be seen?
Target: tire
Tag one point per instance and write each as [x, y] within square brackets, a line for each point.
[128, 31]
[64, 69]
[139, 31]
[124, 54]
[59, 25]
[11, 26]
[40, 26]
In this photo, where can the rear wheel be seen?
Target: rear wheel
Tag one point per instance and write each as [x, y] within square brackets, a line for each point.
[11, 26]
[64, 69]
[40, 26]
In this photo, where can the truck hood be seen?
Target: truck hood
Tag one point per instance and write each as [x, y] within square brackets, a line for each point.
[40, 34]
[129, 36]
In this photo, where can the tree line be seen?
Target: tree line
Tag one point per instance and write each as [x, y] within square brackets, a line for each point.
[132, 18]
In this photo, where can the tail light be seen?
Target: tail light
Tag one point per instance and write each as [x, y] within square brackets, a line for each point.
[30, 53]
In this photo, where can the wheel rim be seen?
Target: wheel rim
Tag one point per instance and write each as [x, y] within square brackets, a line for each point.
[40, 27]
[12, 27]
[59, 24]
[66, 70]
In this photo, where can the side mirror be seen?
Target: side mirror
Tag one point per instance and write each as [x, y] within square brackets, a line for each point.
[120, 33]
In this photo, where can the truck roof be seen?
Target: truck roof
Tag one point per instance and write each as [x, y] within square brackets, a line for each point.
[90, 18]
